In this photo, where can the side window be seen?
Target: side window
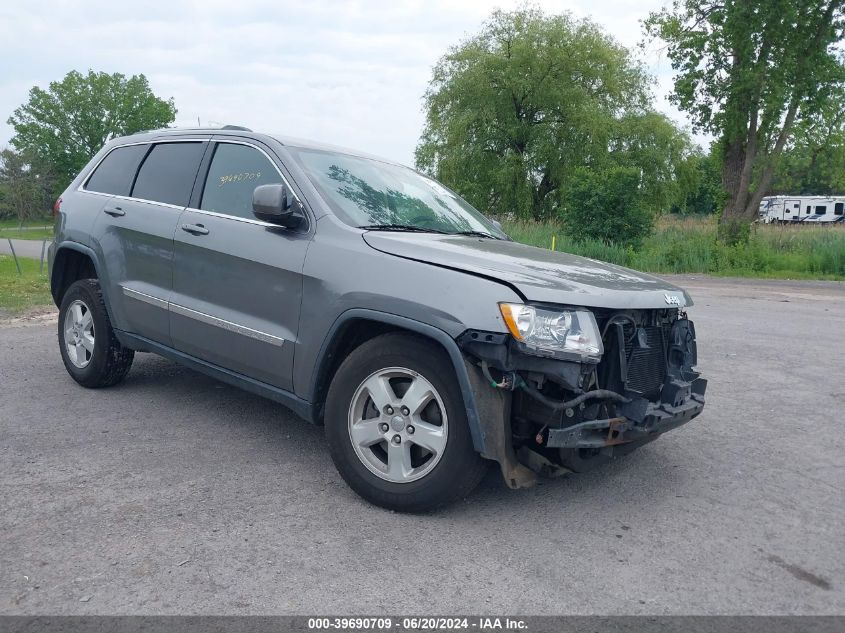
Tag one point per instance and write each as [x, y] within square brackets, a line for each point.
[808, 209]
[235, 172]
[839, 208]
[168, 173]
[821, 210]
[115, 173]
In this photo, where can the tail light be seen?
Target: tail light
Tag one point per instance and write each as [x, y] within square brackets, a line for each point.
[57, 206]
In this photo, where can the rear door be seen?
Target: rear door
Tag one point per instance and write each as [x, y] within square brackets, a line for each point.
[135, 234]
[237, 281]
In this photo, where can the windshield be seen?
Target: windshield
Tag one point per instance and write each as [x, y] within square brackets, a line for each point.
[369, 193]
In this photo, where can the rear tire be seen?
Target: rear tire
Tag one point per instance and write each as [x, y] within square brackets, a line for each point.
[90, 350]
[397, 428]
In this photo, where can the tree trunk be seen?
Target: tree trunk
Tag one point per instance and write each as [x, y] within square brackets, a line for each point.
[731, 221]
[741, 153]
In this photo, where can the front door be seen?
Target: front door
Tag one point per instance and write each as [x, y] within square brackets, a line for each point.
[237, 281]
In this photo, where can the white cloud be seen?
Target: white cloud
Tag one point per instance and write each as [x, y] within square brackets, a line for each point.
[349, 73]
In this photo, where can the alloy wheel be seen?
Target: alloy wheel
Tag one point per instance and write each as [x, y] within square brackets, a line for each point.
[398, 424]
[79, 334]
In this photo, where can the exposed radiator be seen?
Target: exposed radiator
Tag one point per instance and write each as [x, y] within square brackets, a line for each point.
[646, 365]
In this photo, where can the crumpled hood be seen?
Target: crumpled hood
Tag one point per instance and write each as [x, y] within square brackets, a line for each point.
[538, 274]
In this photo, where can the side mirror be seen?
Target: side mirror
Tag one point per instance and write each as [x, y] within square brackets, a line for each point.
[275, 204]
[496, 223]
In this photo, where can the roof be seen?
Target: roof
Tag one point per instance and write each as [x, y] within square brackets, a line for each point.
[289, 141]
[292, 141]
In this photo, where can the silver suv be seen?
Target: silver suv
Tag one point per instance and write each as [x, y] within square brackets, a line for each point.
[370, 299]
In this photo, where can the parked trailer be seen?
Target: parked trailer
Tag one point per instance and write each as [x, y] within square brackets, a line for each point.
[802, 209]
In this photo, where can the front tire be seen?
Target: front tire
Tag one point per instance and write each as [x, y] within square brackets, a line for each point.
[90, 350]
[396, 425]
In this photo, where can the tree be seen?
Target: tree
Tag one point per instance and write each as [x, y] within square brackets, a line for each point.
[746, 72]
[514, 112]
[607, 206]
[700, 183]
[65, 125]
[814, 161]
[650, 143]
[26, 192]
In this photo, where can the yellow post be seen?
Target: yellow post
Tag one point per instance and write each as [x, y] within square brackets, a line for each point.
[554, 241]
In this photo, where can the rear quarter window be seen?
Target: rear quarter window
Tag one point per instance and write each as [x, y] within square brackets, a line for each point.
[168, 173]
[115, 173]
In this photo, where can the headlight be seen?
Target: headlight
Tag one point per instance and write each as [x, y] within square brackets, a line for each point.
[554, 331]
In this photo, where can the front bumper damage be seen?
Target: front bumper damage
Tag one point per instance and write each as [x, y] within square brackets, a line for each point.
[529, 431]
[594, 434]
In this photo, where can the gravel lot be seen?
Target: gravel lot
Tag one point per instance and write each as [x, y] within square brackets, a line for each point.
[173, 493]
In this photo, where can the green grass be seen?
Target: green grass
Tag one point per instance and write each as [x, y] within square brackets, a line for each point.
[14, 223]
[28, 234]
[688, 245]
[19, 293]
[31, 229]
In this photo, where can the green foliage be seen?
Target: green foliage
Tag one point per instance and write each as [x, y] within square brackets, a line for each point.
[736, 58]
[700, 185]
[746, 72]
[814, 162]
[64, 126]
[25, 192]
[607, 206]
[690, 245]
[513, 113]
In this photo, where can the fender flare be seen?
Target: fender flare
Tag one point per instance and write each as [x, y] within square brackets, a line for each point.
[447, 342]
[88, 252]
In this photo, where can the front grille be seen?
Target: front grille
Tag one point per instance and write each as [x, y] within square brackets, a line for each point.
[646, 356]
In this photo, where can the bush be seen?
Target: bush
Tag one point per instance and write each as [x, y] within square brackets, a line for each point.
[607, 206]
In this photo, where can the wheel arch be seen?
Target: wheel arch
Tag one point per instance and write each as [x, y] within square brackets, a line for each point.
[71, 263]
[356, 326]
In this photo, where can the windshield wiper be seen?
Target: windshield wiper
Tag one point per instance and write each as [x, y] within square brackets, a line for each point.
[400, 227]
[477, 234]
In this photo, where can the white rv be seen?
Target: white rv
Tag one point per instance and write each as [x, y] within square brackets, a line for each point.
[802, 209]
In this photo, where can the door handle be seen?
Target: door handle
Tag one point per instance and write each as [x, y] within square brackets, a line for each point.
[195, 229]
[115, 212]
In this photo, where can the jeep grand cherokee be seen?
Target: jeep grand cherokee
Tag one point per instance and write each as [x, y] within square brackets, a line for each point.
[369, 299]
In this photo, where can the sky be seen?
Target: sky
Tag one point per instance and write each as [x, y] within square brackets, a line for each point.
[347, 73]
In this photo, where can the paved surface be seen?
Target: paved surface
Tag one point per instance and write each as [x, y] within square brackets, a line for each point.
[23, 248]
[175, 494]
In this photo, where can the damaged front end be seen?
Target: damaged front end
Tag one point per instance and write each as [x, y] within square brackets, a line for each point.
[548, 414]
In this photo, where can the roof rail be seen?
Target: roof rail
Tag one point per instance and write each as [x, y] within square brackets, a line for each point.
[240, 128]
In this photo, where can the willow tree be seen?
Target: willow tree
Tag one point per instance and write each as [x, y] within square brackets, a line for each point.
[517, 112]
[747, 71]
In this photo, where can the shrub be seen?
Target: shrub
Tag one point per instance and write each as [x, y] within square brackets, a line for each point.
[607, 206]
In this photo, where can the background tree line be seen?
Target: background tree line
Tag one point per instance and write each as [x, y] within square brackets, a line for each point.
[58, 130]
[546, 117]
